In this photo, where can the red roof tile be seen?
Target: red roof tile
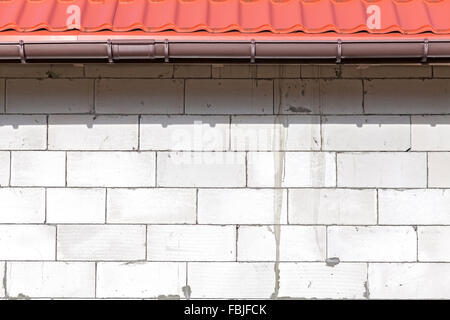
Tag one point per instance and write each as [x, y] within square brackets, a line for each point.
[218, 16]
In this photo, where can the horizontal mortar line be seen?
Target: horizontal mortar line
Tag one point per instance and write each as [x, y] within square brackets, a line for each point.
[131, 262]
[218, 224]
[226, 188]
[222, 151]
[168, 115]
[229, 188]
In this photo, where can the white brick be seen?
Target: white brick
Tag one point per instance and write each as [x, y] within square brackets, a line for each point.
[195, 70]
[129, 70]
[231, 280]
[4, 168]
[105, 242]
[191, 243]
[49, 95]
[296, 96]
[361, 133]
[201, 169]
[372, 243]
[429, 133]
[110, 169]
[23, 132]
[375, 71]
[41, 70]
[332, 206]
[134, 96]
[414, 207]
[140, 280]
[409, 280]
[384, 170]
[438, 169]
[233, 71]
[434, 244]
[38, 168]
[27, 242]
[297, 243]
[319, 281]
[320, 70]
[407, 96]
[75, 205]
[341, 96]
[87, 132]
[243, 96]
[291, 169]
[185, 133]
[2, 283]
[22, 205]
[278, 71]
[242, 206]
[315, 96]
[151, 206]
[267, 133]
[51, 279]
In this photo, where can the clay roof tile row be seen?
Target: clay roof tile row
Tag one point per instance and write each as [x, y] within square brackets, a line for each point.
[218, 16]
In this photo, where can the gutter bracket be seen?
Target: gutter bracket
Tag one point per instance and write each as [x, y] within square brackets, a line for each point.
[339, 51]
[151, 49]
[110, 52]
[252, 51]
[22, 52]
[166, 50]
[426, 49]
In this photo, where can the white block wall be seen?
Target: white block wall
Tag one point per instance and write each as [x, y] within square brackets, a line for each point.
[165, 181]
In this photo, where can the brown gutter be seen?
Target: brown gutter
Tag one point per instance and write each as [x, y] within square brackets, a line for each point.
[122, 50]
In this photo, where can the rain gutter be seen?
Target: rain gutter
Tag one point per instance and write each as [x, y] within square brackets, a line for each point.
[117, 50]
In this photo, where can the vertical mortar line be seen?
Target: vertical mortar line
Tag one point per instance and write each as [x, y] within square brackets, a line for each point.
[378, 205]
[146, 242]
[417, 243]
[45, 205]
[139, 133]
[287, 206]
[95, 279]
[326, 242]
[237, 239]
[10, 168]
[65, 173]
[4, 96]
[367, 282]
[336, 168]
[273, 96]
[246, 169]
[56, 242]
[94, 95]
[321, 132]
[106, 205]
[5, 280]
[156, 169]
[428, 169]
[363, 96]
[410, 132]
[229, 132]
[47, 127]
[196, 206]
[187, 281]
[184, 95]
